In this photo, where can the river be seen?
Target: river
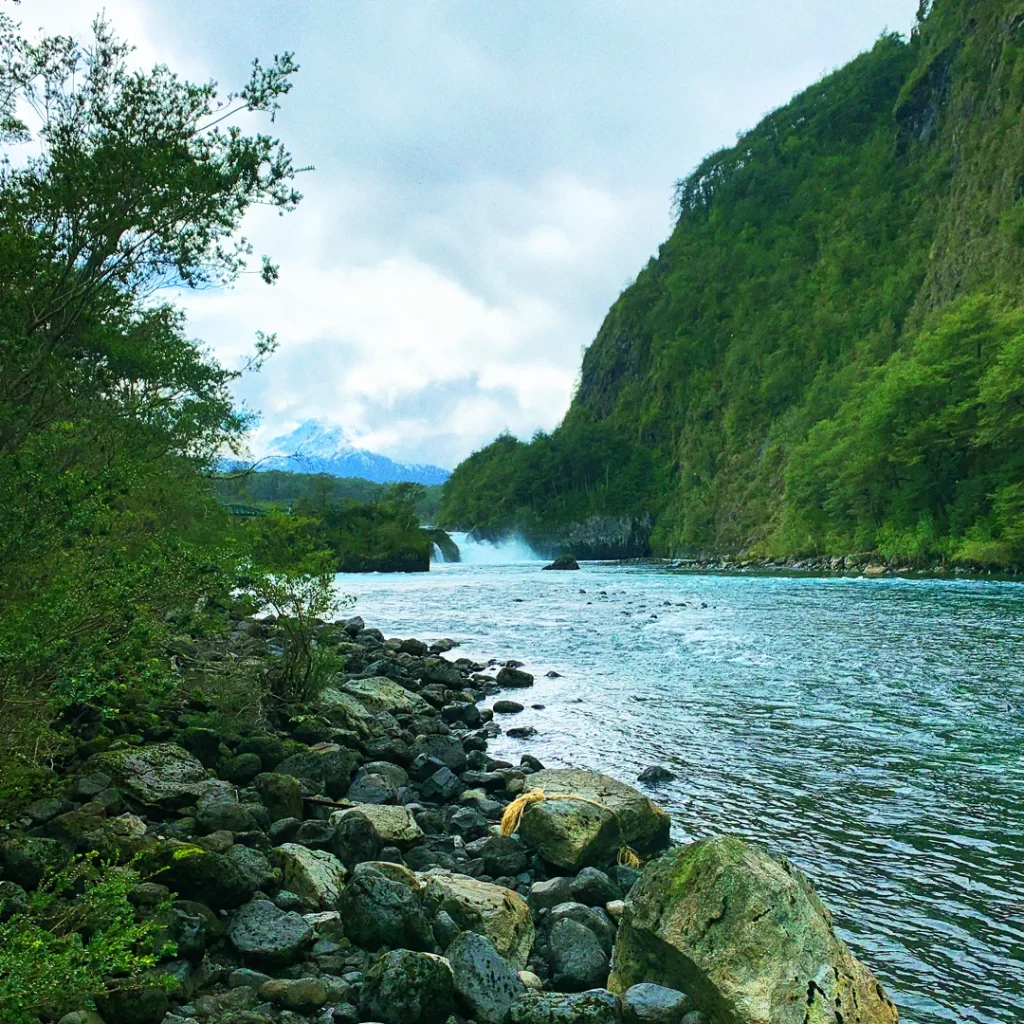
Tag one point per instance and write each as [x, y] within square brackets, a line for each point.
[870, 730]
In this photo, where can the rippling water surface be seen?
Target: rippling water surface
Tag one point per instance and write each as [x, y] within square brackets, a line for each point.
[871, 730]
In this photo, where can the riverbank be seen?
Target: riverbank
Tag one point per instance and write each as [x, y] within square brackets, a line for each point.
[314, 863]
[870, 566]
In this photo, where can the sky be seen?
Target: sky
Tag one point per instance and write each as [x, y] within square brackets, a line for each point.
[489, 175]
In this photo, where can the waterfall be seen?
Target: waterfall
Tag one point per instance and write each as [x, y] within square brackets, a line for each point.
[502, 552]
[437, 555]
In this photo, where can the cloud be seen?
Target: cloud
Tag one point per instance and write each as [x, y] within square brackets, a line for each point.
[489, 176]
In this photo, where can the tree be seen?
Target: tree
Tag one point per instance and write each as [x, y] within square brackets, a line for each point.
[110, 415]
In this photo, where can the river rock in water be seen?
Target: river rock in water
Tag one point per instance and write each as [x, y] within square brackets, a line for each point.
[563, 563]
[744, 934]
[576, 833]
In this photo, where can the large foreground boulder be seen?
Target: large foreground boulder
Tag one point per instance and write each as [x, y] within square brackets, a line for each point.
[596, 816]
[485, 984]
[743, 933]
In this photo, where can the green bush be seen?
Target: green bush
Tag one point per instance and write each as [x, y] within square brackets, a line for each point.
[77, 938]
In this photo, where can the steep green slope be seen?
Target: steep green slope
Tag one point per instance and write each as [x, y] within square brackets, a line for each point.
[825, 355]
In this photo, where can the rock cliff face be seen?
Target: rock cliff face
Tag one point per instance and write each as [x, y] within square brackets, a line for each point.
[603, 537]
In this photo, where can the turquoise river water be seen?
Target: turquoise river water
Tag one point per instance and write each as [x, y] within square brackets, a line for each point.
[870, 730]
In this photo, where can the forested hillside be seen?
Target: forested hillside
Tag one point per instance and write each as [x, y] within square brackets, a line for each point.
[827, 355]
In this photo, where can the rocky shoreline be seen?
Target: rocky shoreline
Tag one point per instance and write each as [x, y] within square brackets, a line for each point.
[871, 566]
[367, 860]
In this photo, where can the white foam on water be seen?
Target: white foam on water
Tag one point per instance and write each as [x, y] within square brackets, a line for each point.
[507, 551]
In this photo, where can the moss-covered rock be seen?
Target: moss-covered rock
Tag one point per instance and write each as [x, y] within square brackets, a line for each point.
[315, 875]
[598, 816]
[493, 911]
[744, 934]
[159, 775]
[395, 826]
[194, 873]
[379, 694]
[382, 907]
[404, 987]
[27, 860]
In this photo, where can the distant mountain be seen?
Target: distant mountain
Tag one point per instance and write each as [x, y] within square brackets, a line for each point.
[315, 447]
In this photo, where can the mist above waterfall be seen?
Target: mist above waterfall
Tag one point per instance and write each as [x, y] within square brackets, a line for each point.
[507, 551]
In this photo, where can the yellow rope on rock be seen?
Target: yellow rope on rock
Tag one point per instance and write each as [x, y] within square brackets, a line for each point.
[513, 818]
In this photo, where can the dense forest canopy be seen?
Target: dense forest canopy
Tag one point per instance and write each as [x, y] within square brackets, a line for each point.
[824, 357]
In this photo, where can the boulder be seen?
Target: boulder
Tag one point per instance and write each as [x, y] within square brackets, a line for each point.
[371, 789]
[394, 826]
[507, 707]
[577, 960]
[594, 888]
[502, 855]
[654, 1004]
[241, 770]
[302, 995]
[382, 907]
[744, 934]
[548, 894]
[446, 749]
[574, 833]
[442, 786]
[324, 766]
[215, 879]
[315, 875]
[343, 710]
[27, 860]
[379, 694]
[485, 984]
[160, 775]
[254, 867]
[219, 809]
[593, 918]
[269, 937]
[144, 1004]
[192, 927]
[281, 795]
[403, 987]
[595, 1007]
[355, 838]
[490, 910]
[514, 678]
[565, 562]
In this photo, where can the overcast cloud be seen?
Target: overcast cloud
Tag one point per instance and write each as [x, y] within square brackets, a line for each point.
[489, 175]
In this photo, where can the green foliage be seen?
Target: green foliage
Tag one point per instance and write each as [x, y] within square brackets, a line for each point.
[348, 537]
[826, 354]
[111, 417]
[77, 938]
[279, 489]
[302, 598]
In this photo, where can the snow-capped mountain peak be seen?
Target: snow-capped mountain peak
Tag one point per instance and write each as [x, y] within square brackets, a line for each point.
[316, 447]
